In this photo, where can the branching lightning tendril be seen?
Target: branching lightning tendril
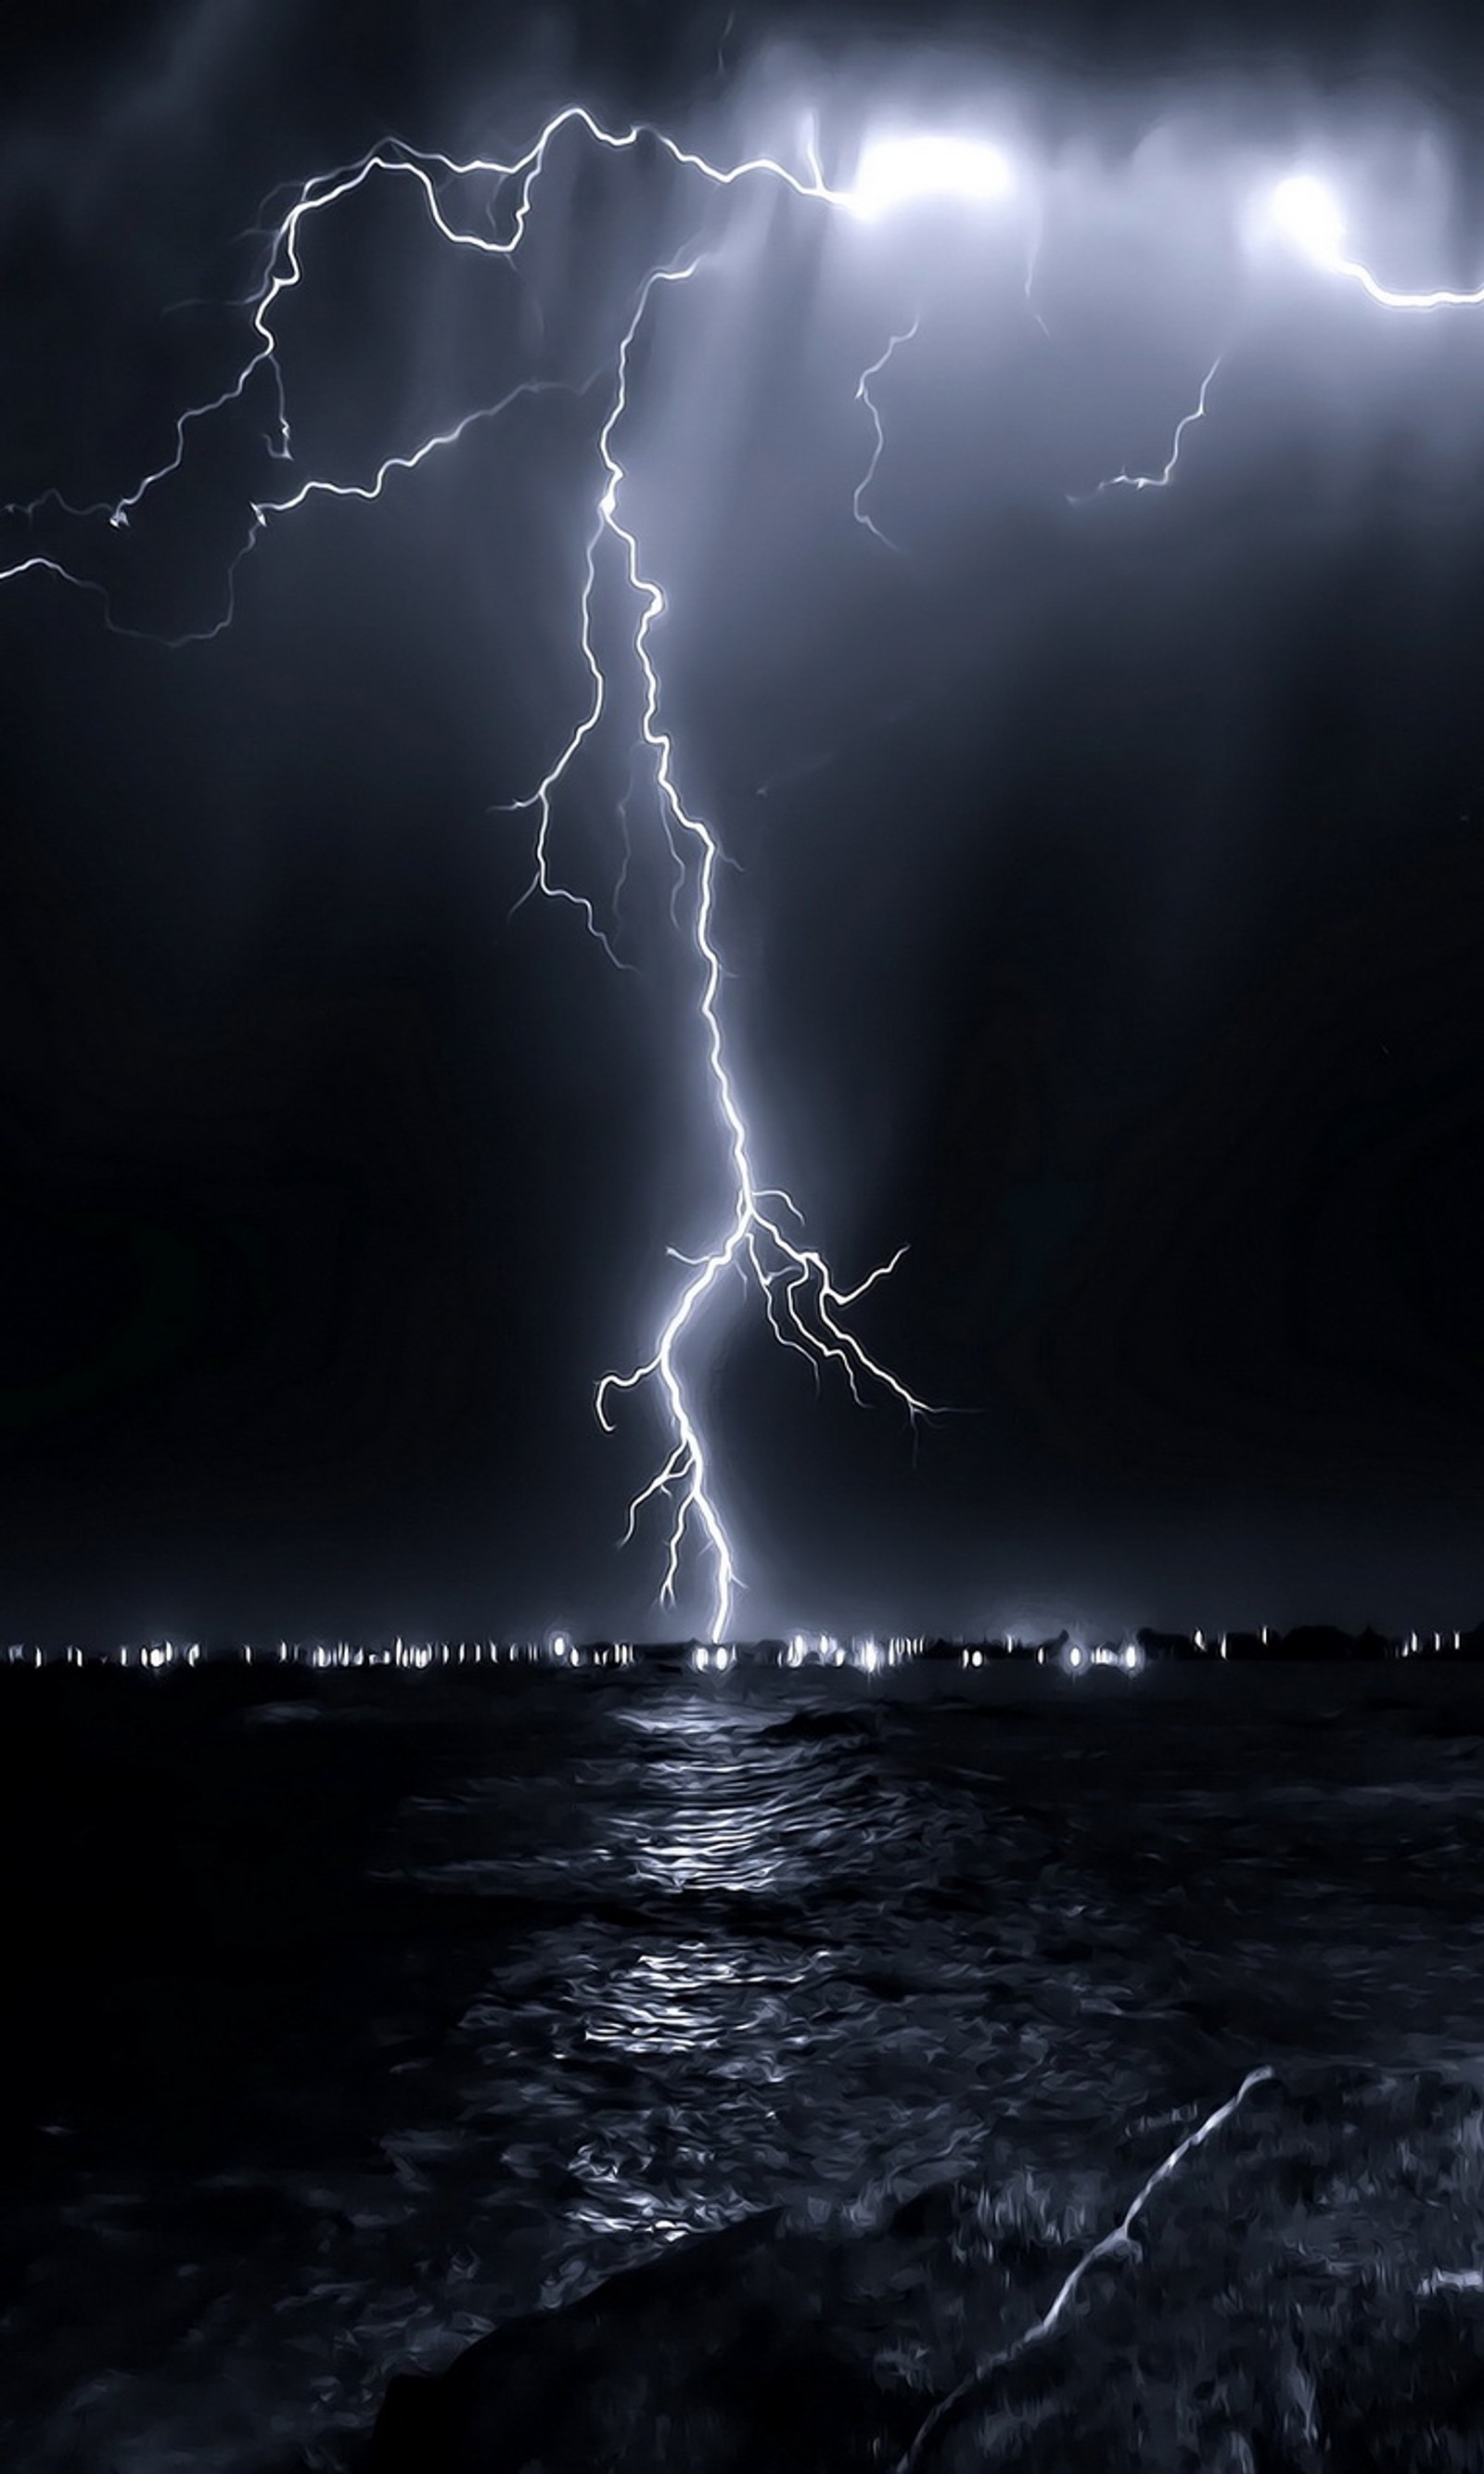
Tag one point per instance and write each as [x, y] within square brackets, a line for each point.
[863, 395]
[1161, 479]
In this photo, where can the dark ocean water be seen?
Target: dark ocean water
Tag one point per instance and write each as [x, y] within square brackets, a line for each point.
[363, 2022]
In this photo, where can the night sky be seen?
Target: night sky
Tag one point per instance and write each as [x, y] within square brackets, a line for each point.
[1108, 921]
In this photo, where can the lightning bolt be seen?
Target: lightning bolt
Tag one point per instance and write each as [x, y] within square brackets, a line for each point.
[1308, 215]
[1161, 479]
[1389, 300]
[804, 1304]
[764, 1238]
[863, 395]
[1032, 263]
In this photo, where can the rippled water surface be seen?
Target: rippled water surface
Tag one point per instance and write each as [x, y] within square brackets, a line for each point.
[368, 2021]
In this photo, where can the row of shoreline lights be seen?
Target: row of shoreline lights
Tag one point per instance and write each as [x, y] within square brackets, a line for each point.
[823, 1650]
[418, 1655]
[716, 1658]
[705, 1657]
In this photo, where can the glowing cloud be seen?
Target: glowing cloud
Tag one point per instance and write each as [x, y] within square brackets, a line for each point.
[896, 169]
[1308, 215]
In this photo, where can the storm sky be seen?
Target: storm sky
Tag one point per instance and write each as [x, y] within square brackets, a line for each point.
[1108, 916]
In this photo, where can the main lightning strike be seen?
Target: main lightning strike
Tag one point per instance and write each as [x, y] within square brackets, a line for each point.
[805, 1306]
[756, 1240]
[764, 1240]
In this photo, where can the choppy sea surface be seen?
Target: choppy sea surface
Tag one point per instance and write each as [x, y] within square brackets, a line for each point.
[356, 2023]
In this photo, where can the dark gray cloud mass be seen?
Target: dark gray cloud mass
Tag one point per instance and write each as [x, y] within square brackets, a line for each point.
[1107, 913]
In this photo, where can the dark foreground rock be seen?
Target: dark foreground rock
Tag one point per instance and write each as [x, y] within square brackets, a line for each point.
[1303, 2293]
[721, 2354]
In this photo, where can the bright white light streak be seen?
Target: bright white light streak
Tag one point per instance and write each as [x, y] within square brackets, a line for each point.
[863, 395]
[758, 1239]
[1161, 479]
[1310, 217]
[803, 1304]
[894, 170]
[284, 271]
[796, 1285]
[1118, 2242]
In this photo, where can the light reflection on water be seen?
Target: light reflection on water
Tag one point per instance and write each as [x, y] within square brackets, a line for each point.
[728, 1823]
[822, 1965]
[725, 1808]
[687, 2001]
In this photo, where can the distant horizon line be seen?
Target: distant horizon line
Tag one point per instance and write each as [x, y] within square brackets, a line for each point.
[1070, 1647]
